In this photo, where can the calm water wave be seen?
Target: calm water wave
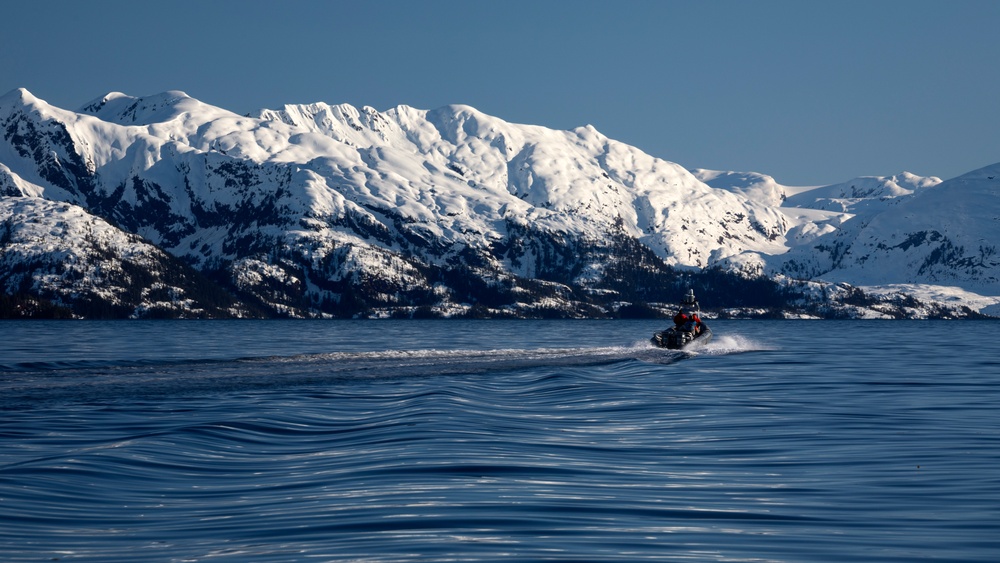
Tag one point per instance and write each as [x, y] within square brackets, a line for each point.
[483, 441]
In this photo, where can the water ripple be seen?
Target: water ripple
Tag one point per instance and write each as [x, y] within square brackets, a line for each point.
[561, 454]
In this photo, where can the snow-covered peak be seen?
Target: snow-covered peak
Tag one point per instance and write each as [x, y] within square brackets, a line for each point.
[21, 101]
[316, 116]
[19, 97]
[122, 109]
[753, 185]
[96, 105]
[972, 199]
[986, 175]
[862, 193]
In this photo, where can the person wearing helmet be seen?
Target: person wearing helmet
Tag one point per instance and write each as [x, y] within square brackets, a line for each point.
[687, 318]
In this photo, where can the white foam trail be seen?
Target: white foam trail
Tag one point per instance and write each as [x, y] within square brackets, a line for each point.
[732, 344]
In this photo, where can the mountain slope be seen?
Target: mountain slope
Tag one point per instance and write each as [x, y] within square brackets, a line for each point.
[59, 252]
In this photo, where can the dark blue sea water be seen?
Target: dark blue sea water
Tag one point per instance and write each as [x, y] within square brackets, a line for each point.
[387, 441]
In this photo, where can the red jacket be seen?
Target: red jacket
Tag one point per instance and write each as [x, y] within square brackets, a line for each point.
[681, 318]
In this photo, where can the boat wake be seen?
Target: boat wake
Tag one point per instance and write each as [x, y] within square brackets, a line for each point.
[30, 384]
[436, 361]
[417, 362]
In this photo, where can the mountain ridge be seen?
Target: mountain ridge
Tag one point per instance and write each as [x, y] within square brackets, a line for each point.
[384, 210]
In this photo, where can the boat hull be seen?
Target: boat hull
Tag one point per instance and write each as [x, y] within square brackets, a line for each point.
[674, 339]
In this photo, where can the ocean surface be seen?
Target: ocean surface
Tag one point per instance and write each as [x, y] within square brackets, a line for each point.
[190, 441]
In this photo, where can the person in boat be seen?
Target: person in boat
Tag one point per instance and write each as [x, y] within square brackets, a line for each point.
[687, 320]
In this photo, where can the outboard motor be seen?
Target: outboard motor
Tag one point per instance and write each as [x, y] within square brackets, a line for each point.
[676, 339]
[673, 339]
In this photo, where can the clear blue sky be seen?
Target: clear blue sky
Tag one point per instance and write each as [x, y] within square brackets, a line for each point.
[810, 92]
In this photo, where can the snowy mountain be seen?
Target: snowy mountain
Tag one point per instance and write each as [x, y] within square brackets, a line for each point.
[932, 240]
[944, 234]
[331, 209]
